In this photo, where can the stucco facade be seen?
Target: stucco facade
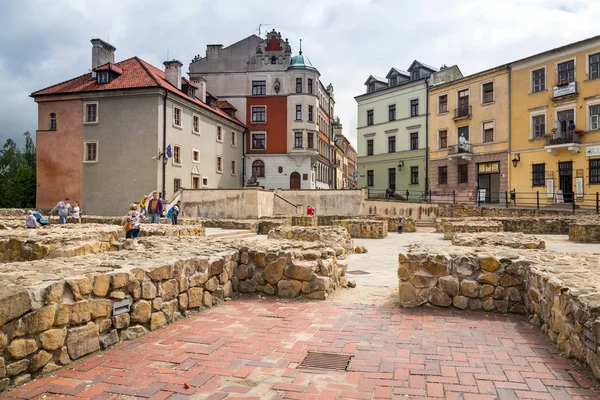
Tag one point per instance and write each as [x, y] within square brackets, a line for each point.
[468, 137]
[552, 156]
[284, 106]
[386, 137]
[138, 129]
[59, 151]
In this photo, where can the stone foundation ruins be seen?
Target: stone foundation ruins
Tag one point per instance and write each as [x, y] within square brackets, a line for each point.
[513, 240]
[68, 291]
[559, 292]
[364, 228]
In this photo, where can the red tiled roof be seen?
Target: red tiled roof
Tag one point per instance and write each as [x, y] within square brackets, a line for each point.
[110, 67]
[225, 104]
[136, 73]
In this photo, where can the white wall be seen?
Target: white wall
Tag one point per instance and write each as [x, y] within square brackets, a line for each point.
[290, 163]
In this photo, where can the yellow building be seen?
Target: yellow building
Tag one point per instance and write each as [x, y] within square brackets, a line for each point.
[468, 137]
[555, 121]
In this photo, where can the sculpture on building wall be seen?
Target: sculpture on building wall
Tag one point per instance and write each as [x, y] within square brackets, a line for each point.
[277, 85]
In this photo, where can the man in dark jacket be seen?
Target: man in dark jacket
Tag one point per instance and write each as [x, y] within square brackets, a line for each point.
[155, 209]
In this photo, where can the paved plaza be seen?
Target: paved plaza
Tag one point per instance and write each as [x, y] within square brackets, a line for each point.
[251, 348]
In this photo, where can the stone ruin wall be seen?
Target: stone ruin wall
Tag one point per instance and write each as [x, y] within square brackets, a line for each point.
[558, 292]
[364, 228]
[532, 225]
[55, 311]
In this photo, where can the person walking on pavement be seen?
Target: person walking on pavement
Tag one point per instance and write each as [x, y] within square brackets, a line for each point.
[63, 208]
[155, 209]
[400, 224]
[76, 210]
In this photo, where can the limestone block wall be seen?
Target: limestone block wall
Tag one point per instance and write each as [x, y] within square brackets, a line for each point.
[460, 278]
[311, 271]
[451, 227]
[305, 220]
[513, 240]
[531, 225]
[464, 210]
[77, 240]
[364, 228]
[336, 238]
[248, 224]
[266, 225]
[55, 311]
[410, 224]
[559, 292]
[585, 231]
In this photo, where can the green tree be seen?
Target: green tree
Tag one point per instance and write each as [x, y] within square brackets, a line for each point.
[17, 174]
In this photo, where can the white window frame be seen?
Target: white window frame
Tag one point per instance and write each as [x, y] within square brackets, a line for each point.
[252, 141]
[531, 71]
[587, 64]
[217, 164]
[493, 122]
[565, 107]
[252, 113]
[537, 114]
[204, 178]
[85, 160]
[234, 168]
[588, 115]
[574, 59]
[468, 89]
[233, 141]
[493, 92]
[103, 77]
[180, 163]
[195, 151]
[85, 107]
[194, 131]
[180, 117]
[217, 134]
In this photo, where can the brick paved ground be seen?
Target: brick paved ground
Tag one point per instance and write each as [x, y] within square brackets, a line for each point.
[249, 349]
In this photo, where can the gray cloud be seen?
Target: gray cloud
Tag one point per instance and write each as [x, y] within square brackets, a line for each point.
[43, 42]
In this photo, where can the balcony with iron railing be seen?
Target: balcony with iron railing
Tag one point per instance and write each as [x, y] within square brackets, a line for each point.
[564, 89]
[460, 151]
[462, 112]
[558, 140]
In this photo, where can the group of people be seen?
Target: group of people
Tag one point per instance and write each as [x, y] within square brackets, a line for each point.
[64, 208]
[150, 209]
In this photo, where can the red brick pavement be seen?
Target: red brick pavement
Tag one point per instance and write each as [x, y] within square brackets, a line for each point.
[249, 349]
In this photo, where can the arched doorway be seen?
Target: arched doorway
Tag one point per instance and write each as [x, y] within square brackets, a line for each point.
[295, 180]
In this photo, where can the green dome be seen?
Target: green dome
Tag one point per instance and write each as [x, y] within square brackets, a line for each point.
[301, 62]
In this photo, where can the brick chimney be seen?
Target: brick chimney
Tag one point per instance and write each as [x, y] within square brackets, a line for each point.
[173, 72]
[102, 53]
[199, 83]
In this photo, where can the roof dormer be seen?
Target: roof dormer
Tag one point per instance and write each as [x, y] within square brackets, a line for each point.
[375, 83]
[419, 70]
[107, 73]
[397, 76]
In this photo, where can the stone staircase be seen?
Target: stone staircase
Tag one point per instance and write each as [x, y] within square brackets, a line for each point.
[426, 224]
[231, 234]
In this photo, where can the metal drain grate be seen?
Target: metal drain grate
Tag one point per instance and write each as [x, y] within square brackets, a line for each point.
[329, 361]
[358, 272]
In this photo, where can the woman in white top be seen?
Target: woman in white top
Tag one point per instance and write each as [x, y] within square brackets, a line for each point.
[75, 212]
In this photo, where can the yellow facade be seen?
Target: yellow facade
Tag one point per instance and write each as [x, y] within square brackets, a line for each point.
[548, 91]
[475, 108]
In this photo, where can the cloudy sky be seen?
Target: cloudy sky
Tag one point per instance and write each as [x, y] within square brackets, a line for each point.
[43, 42]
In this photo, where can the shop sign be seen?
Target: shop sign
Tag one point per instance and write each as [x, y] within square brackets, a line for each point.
[579, 187]
[489, 168]
[592, 151]
[549, 188]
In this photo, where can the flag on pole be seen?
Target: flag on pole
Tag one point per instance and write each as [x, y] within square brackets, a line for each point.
[169, 152]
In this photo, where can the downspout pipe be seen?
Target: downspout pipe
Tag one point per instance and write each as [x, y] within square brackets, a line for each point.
[509, 123]
[244, 157]
[426, 136]
[164, 148]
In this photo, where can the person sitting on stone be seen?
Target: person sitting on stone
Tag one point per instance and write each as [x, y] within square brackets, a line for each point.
[30, 221]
